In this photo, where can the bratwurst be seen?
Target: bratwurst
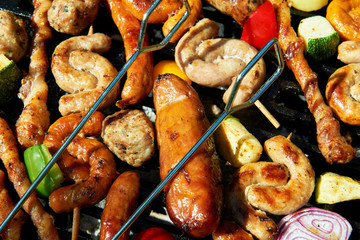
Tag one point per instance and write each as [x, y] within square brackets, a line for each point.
[194, 196]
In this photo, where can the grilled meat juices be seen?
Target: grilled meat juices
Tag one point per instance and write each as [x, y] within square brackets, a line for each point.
[194, 196]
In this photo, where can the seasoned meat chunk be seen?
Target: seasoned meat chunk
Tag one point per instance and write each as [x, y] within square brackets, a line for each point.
[129, 134]
[14, 39]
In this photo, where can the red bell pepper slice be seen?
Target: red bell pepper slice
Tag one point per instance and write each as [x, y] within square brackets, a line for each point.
[261, 26]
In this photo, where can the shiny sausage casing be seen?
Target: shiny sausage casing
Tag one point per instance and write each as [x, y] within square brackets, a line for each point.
[120, 203]
[194, 196]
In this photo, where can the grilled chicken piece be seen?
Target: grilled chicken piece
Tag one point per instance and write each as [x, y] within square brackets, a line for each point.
[130, 135]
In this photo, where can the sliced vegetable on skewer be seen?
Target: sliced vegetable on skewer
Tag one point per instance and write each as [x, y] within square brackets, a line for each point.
[10, 76]
[309, 5]
[36, 158]
[235, 143]
[333, 188]
[320, 37]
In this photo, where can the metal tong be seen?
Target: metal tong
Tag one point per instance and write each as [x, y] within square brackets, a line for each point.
[229, 108]
[140, 49]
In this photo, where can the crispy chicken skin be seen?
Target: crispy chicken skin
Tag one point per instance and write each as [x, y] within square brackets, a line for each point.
[14, 39]
[194, 196]
[34, 120]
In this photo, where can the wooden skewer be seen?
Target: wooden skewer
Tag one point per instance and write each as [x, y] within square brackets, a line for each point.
[75, 225]
[267, 114]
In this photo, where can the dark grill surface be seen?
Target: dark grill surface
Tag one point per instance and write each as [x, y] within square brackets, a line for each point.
[284, 100]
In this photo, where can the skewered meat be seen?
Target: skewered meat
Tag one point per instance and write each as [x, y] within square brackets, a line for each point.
[80, 70]
[254, 220]
[287, 198]
[212, 62]
[333, 146]
[87, 192]
[14, 40]
[17, 174]
[130, 135]
[240, 10]
[139, 80]
[35, 117]
[349, 52]
[13, 229]
[72, 16]
[120, 203]
[194, 196]
[343, 93]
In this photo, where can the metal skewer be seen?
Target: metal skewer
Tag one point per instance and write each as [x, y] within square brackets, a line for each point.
[228, 110]
[140, 49]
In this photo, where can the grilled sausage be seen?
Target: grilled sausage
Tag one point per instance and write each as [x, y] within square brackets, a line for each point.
[82, 193]
[194, 196]
[120, 203]
[139, 80]
[287, 198]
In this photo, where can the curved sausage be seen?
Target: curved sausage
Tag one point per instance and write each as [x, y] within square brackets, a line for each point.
[194, 196]
[80, 70]
[87, 192]
[251, 219]
[213, 62]
[120, 203]
[287, 198]
[139, 80]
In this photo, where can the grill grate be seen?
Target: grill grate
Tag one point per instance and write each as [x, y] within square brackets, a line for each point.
[284, 100]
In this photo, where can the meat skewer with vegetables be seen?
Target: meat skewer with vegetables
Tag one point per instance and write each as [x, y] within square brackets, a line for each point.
[16, 170]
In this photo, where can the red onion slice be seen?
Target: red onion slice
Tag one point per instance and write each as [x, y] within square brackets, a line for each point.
[313, 223]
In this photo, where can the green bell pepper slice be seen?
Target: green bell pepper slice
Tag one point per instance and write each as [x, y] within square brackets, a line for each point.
[36, 158]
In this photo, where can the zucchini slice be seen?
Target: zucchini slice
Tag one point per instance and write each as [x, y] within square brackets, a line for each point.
[320, 37]
[10, 76]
